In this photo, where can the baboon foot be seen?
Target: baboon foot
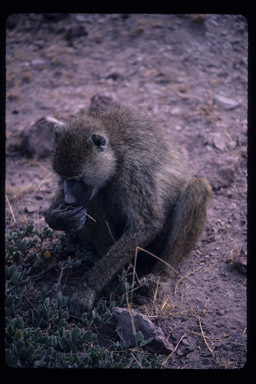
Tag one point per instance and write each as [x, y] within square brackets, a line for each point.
[82, 301]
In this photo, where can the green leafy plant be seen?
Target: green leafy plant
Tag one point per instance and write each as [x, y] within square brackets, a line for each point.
[39, 331]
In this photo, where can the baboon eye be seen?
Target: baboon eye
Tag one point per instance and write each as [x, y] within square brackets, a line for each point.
[99, 141]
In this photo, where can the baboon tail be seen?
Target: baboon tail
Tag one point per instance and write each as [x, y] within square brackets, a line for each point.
[186, 222]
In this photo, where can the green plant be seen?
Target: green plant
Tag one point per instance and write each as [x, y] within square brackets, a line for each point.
[39, 331]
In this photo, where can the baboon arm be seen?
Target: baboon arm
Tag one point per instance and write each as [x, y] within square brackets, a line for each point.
[117, 257]
[106, 268]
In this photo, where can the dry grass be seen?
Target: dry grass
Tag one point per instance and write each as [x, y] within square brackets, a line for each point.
[17, 193]
[205, 341]
[174, 350]
[10, 208]
[162, 307]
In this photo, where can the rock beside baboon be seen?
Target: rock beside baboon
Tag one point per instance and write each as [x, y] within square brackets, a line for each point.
[124, 327]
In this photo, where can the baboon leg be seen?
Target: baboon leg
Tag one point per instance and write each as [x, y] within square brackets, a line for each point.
[185, 224]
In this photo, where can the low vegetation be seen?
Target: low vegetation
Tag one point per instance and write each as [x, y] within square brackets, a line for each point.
[40, 267]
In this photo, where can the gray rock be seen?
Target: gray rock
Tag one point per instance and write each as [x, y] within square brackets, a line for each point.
[193, 356]
[221, 312]
[220, 173]
[101, 102]
[219, 141]
[37, 140]
[159, 343]
[227, 102]
[75, 31]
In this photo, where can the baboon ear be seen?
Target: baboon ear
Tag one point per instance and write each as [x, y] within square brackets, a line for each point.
[99, 141]
[58, 129]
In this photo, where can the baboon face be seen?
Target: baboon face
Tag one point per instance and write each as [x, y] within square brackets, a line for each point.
[76, 192]
[83, 158]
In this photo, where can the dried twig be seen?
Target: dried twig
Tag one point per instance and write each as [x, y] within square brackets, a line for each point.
[136, 275]
[136, 360]
[90, 217]
[170, 355]
[68, 207]
[131, 315]
[134, 271]
[38, 275]
[57, 286]
[29, 302]
[158, 258]
[44, 181]
[156, 290]
[10, 207]
[202, 332]
[185, 277]
[111, 234]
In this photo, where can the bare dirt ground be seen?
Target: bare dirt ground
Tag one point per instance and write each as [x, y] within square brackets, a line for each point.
[191, 72]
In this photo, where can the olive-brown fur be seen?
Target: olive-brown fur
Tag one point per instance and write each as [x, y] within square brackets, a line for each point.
[142, 193]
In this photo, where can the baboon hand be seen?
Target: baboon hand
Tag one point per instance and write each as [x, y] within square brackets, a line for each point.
[66, 218]
[82, 300]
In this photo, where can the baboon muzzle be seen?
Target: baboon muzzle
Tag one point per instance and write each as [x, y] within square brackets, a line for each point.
[77, 192]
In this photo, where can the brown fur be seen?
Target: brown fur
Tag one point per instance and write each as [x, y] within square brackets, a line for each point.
[142, 193]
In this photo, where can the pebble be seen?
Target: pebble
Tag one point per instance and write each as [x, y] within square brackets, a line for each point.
[176, 111]
[219, 141]
[193, 356]
[221, 312]
[176, 335]
[189, 340]
[180, 352]
[75, 31]
[38, 62]
[227, 102]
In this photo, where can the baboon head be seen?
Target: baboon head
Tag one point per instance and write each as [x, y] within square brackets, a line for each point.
[82, 157]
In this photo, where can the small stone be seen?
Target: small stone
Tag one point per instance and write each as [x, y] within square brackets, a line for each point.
[189, 340]
[39, 196]
[30, 209]
[162, 78]
[180, 351]
[75, 31]
[193, 356]
[114, 75]
[38, 62]
[159, 343]
[101, 102]
[176, 111]
[219, 141]
[227, 102]
[176, 335]
[221, 312]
